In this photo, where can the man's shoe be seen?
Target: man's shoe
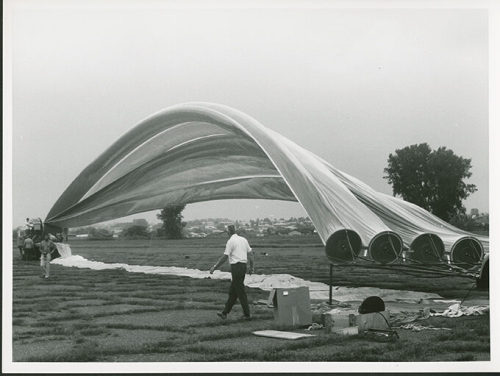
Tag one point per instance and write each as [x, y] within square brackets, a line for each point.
[247, 318]
[222, 315]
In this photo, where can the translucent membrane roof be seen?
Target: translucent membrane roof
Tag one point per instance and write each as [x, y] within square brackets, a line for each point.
[201, 151]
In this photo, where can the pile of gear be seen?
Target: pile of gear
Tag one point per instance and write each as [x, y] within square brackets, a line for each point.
[29, 238]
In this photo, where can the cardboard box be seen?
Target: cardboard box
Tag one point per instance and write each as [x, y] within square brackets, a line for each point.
[376, 320]
[334, 320]
[292, 306]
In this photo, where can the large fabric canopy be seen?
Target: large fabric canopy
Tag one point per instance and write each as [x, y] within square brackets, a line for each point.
[200, 151]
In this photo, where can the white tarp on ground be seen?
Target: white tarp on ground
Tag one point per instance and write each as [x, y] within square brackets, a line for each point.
[265, 282]
[200, 151]
[457, 310]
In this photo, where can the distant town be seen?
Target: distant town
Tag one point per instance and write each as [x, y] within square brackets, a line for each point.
[200, 228]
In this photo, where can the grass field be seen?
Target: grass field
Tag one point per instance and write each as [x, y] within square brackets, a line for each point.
[113, 315]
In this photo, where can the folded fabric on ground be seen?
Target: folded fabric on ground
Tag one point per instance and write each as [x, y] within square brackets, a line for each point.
[315, 326]
[406, 317]
[317, 290]
[281, 335]
[417, 327]
[457, 310]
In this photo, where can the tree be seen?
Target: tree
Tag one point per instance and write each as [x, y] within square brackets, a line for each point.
[135, 232]
[172, 221]
[99, 234]
[431, 179]
[468, 223]
[305, 228]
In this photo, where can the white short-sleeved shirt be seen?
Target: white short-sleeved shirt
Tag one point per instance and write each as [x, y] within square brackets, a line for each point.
[237, 248]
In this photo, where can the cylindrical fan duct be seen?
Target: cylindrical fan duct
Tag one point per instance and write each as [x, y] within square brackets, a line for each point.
[343, 246]
[467, 252]
[427, 248]
[385, 247]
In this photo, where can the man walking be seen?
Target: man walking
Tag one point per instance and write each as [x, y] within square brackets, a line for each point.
[237, 251]
[46, 249]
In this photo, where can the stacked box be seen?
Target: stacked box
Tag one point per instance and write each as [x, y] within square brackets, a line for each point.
[292, 306]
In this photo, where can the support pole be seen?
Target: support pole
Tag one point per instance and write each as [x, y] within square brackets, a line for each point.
[331, 277]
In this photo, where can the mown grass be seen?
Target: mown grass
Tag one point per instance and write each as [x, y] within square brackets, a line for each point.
[82, 351]
[113, 314]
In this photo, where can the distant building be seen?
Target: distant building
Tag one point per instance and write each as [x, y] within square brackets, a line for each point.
[474, 211]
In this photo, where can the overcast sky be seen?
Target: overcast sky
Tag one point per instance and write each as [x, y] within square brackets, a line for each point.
[350, 85]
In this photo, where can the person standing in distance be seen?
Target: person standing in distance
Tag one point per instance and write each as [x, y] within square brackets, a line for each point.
[237, 251]
[28, 251]
[47, 247]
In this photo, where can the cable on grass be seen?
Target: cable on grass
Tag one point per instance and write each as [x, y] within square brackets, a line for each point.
[468, 292]
[389, 325]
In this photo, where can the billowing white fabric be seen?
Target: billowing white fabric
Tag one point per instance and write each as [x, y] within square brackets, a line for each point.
[63, 249]
[200, 151]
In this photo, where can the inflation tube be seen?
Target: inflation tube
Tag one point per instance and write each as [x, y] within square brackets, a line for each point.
[427, 249]
[343, 246]
[467, 252]
[385, 247]
[413, 223]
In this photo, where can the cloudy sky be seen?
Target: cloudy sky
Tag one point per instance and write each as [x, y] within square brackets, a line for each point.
[350, 85]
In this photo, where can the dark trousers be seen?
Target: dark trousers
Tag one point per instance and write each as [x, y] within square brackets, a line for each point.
[237, 288]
